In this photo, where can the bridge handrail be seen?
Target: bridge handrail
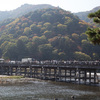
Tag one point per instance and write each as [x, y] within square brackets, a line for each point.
[72, 64]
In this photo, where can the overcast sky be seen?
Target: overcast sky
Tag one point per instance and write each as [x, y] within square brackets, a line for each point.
[69, 5]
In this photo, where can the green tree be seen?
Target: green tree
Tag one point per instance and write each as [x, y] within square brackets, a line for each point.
[94, 33]
[35, 29]
[86, 46]
[47, 25]
[24, 25]
[95, 56]
[81, 56]
[45, 51]
[11, 52]
[47, 17]
[83, 36]
[0, 53]
[48, 34]
[32, 50]
[27, 31]
[62, 29]
[75, 36]
[23, 38]
[39, 40]
[55, 54]
[21, 49]
[62, 56]
[4, 46]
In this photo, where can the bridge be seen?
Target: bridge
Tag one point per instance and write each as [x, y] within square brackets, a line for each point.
[85, 72]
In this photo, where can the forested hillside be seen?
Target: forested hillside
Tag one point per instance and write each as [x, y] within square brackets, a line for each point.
[24, 9]
[46, 34]
[84, 15]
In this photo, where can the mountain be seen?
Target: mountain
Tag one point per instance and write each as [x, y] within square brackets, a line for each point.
[84, 15]
[46, 34]
[24, 9]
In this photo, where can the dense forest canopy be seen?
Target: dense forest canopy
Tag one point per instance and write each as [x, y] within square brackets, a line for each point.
[46, 34]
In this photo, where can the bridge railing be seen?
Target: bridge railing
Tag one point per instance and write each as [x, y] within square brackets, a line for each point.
[89, 64]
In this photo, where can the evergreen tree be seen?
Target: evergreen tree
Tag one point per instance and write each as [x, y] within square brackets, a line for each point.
[94, 33]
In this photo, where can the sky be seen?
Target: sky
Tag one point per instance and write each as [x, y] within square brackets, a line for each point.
[69, 5]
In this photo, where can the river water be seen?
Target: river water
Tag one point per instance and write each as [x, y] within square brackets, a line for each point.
[47, 90]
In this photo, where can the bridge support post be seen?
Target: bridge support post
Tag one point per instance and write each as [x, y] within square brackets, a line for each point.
[65, 75]
[79, 77]
[95, 76]
[25, 72]
[30, 68]
[90, 76]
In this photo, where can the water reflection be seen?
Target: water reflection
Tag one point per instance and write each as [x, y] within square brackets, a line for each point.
[46, 90]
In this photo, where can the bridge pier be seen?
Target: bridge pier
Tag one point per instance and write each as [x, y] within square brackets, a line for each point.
[86, 76]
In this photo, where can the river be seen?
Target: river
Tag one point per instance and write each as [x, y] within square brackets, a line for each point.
[47, 90]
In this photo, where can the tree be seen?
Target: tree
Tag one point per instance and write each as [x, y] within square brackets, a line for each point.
[95, 56]
[35, 29]
[75, 36]
[21, 49]
[47, 25]
[62, 56]
[27, 31]
[3, 46]
[39, 40]
[62, 29]
[55, 54]
[32, 50]
[24, 25]
[11, 51]
[45, 51]
[94, 33]
[48, 34]
[86, 45]
[47, 17]
[23, 38]
[81, 56]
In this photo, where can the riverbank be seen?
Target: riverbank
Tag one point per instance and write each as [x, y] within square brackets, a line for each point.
[5, 80]
[15, 79]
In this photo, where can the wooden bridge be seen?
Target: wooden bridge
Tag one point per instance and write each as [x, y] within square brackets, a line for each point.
[76, 72]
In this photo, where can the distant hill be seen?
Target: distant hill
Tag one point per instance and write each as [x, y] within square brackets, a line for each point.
[46, 34]
[24, 9]
[83, 15]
